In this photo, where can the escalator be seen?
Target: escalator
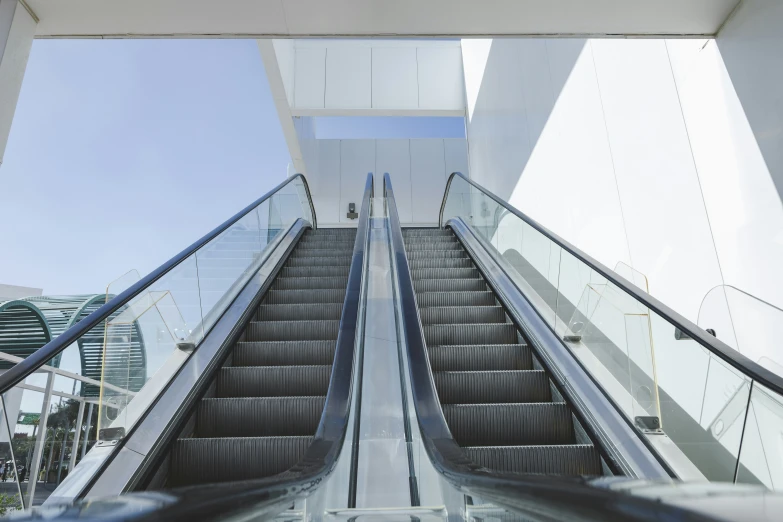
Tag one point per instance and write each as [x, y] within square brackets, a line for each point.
[497, 400]
[266, 402]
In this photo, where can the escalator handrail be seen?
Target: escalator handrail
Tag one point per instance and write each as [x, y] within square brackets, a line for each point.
[728, 354]
[215, 501]
[20, 371]
[556, 496]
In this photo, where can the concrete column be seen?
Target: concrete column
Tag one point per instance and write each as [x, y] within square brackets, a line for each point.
[17, 28]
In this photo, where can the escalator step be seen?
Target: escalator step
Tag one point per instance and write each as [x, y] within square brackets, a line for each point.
[449, 285]
[202, 461]
[415, 264]
[480, 357]
[299, 312]
[325, 295]
[315, 271]
[436, 254]
[444, 273]
[498, 333]
[284, 353]
[259, 416]
[481, 387]
[273, 381]
[426, 232]
[315, 261]
[419, 240]
[427, 244]
[427, 299]
[313, 252]
[509, 424]
[326, 243]
[572, 459]
[462, 314]
[292, 330]
[309, 283]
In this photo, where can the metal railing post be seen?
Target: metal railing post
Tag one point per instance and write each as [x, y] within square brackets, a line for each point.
[76, 435]
[35, 465]
[87, 431]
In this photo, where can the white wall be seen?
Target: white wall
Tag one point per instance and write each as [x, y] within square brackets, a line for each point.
[419, 168]
[637, 151]
[17, 28]
[644, 152]
[378, 77]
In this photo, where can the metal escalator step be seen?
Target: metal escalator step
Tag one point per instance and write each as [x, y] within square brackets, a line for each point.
[315, 261]
[462, 314]
[273, 381]
[479, 357]
[444, 273]
[416, 264]
[414, 246]
[571, 459]
[325, 295]
[414, 240]
[202, 461]
[509, 424]
[259, 416]
[346, 246]
[436, 254]
[284, 353]
[313, 252]
[299, 312]
[315, 271]
[292, 330]
[483, 387]
[305, 283]
[497, 333]
[427, 299]
[449, 285]
[411, 232]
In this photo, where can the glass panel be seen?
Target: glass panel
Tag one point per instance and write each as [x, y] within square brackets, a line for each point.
[146, 341]
[101, 385]
[662, 380]
[745, 323]
[761, 458]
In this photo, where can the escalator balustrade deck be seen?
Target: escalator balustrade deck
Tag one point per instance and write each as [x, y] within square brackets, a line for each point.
[265, 404]
[498, 403]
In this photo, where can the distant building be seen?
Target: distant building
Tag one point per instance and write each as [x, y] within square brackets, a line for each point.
[9, 292]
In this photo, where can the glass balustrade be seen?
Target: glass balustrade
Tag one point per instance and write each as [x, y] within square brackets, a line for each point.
[666, 383]
[57, 414]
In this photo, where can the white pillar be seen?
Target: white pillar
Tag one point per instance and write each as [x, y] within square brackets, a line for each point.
[17, 28]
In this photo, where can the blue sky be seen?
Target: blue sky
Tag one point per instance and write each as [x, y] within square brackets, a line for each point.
[123, 152]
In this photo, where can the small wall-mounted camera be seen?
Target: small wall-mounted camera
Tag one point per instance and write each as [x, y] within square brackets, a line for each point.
[352, 211]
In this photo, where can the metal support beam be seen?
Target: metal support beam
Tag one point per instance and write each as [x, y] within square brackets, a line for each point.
[76, 435]
[87, 431]
[35, 464]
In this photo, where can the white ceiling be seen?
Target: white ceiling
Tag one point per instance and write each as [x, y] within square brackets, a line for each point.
[302, 18]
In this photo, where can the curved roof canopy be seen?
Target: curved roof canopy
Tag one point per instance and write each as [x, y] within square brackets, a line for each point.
[29, 323]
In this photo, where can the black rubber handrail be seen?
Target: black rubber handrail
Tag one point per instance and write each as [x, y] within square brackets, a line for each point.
[539, 496]
[18, 373]
[728, 354]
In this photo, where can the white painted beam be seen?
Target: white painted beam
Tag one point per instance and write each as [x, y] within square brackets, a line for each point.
[17, 28]
[278, 88]
[360, 18]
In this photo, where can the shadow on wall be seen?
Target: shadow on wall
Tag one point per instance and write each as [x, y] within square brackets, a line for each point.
[539, 70]
[751, 45]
